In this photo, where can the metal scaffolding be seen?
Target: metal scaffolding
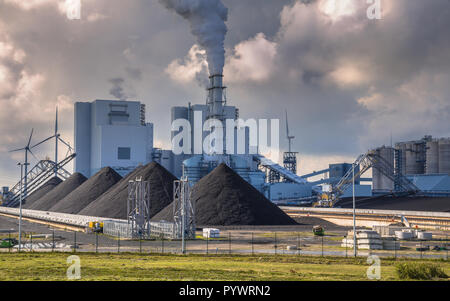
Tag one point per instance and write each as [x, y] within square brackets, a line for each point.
[290, 162]
[183, 209]
[37, 176]
[138, 208]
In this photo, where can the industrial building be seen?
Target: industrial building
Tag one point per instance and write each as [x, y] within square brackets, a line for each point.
[111, 133]
[425, 162]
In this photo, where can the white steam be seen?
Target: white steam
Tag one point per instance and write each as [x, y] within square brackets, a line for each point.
[207, 19]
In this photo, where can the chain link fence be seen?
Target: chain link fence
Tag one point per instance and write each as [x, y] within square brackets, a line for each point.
[229, 242]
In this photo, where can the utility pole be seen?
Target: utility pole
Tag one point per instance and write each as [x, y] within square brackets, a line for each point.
[20, 206]
[354, 212]
[56, 143]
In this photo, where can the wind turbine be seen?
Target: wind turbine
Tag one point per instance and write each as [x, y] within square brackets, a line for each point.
[27, 149]
[290, 138]
[57, 137]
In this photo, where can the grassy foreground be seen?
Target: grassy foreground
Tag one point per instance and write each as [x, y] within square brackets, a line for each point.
[53, 266]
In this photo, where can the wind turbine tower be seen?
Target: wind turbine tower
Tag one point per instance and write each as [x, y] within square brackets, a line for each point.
[58, 139]
[27, 150]
[290, 157]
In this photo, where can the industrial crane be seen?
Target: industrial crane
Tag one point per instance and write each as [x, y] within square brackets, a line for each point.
[331, 196]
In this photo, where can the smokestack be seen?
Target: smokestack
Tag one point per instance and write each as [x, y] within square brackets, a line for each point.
[215, 97]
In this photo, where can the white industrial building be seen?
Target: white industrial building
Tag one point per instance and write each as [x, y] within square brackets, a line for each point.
[111, 133]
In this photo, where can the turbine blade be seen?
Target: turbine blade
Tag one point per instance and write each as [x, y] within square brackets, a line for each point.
[287, 124]
[31, 136]
[33, 155]
[16, 150]
[67, 144]
[56, 121]
[43, 141]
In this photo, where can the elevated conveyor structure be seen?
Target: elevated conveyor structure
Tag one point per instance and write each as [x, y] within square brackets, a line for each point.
[37, 176]
[274, 167]
[365, 162]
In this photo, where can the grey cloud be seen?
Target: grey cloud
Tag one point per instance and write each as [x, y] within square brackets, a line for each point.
[408, 50]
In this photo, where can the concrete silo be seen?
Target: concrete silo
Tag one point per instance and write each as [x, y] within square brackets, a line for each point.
[382, 183]
[432, 164]
[415, 158]
[444, 156]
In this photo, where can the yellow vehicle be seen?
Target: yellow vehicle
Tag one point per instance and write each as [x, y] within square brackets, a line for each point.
[325, 200]
[96, 227]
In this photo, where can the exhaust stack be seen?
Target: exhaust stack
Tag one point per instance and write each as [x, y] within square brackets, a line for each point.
[216, 97]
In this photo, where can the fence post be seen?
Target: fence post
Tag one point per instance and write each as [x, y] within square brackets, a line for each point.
[118, 242]
[96, 242]
[207, 244]
[446, 246]
[162, 242]
[395, 247]
[275, 243]
[345, 237]
[53, 241]
[322, 245]
[75, 241]
[140, 243]
[421, 252]
[253, 251]
[31, 240]
[9, 237]
[298, 243]
[229, 242]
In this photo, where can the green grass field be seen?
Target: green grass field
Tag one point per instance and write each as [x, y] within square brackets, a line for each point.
[53, 266]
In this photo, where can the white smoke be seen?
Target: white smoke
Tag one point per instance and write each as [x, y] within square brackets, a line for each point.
[207, 19]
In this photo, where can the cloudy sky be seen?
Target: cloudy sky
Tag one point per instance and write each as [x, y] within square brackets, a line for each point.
[348, 82]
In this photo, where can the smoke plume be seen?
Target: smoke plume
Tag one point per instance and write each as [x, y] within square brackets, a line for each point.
[207, 19]
[120, 89]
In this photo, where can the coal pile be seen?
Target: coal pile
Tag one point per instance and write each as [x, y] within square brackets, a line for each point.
[41, 191]
[59, 192]
[223, 198]
[87, 192]
[113, 204]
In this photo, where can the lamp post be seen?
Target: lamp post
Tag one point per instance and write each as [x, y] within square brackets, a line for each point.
[21, 200]
[354, 213]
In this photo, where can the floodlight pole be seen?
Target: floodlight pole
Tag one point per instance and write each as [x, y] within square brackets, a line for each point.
[183, 218]
[20, 206]
[354, 213]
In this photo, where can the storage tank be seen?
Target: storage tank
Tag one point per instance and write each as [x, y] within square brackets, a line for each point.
[415, 158]
[432, 164]
[444, 156]
[380, 181]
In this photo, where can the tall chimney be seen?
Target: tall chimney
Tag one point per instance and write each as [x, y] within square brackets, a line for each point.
[215, 97]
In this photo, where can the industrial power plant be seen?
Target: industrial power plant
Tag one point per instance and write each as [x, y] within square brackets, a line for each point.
[121, 179]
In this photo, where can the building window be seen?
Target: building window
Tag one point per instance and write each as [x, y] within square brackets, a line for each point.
[124, 153]
[118, 114]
